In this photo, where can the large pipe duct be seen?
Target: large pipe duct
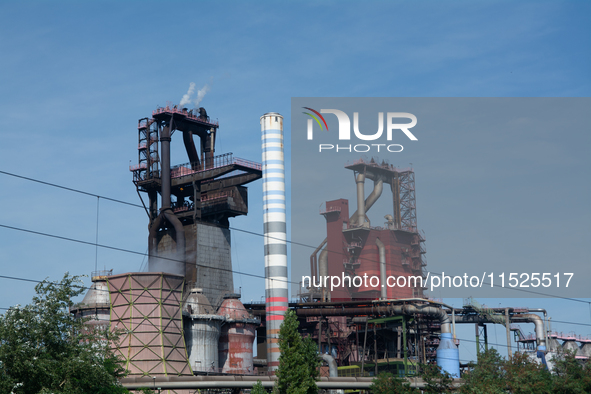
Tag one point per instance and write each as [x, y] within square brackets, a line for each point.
[175, 265]
[247, 382]
[323, 264]
[546, 322]
[520, 318]
[378, 187]
[333, 370]
[191, 149]
[276, 293]
[516, 318]
[382, 254]
[323, 270]
[539, 325]
[360, 181]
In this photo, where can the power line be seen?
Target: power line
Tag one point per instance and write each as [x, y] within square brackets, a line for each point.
[235, 229]
[70, 189]
[230, 270]
[133, 252]
[570, 322]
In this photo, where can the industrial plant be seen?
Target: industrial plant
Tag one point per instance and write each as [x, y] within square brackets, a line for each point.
[182, 323]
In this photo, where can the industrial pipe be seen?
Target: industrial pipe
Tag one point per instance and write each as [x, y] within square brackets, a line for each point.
[323, 270]
[382, 254]
[165, 211]
[546, 322]
[191, 149]
[323, 263]
[378, 187]
[313, 259]
[519, 317]
[247, 382]
[539, 324]
[360, 181]
[333, 370]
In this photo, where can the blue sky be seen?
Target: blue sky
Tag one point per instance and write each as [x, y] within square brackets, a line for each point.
[76, 76]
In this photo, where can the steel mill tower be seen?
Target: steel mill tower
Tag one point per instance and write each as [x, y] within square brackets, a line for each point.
[189, 232]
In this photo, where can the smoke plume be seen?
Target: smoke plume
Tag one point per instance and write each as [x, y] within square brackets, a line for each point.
[187, 99]
[200, 94]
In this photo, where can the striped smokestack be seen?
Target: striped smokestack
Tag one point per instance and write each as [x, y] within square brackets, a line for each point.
[275, 231]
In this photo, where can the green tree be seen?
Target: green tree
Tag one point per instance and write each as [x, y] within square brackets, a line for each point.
[44, 349]
[298, 362]
[258, 388]
[386, 383]
[525, 375]
[571, 376]
[436, 380]
[487, 376]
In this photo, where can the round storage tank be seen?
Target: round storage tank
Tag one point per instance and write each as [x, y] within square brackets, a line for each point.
[96, 304]
[202, 332]
[237, 337]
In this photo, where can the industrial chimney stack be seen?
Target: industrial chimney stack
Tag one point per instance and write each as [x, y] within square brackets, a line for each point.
[275, 231]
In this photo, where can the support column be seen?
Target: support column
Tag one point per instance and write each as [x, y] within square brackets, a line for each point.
[508, 328]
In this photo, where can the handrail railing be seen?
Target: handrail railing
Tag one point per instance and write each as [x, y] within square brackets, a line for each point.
[188, 114]
[209, 164]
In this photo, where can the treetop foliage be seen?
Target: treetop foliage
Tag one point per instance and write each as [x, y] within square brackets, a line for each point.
[298, 362]
[495, 375]
[45, 349]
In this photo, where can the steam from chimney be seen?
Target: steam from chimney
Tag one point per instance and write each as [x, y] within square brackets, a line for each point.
[187, 97]
[200, 94]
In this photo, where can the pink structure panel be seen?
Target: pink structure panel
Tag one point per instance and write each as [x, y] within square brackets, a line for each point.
[145, 309]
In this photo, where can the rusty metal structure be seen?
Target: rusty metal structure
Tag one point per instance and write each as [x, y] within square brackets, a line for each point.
[189, 232]
[236, 337]
[367, 329]
[353, 247]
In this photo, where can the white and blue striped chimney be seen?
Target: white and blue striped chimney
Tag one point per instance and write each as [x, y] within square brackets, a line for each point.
[276, 296]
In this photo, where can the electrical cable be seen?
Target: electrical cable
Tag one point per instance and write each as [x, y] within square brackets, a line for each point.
[133, 252]
[69, 189]
[234, 271]
[231, 228]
